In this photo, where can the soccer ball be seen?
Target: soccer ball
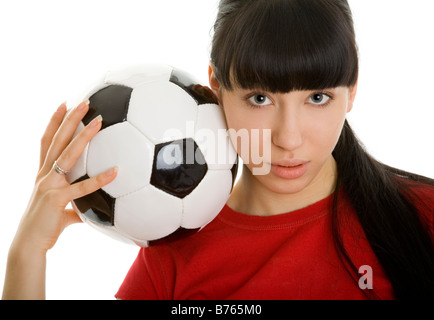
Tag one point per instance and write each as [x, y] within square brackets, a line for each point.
[176, 164]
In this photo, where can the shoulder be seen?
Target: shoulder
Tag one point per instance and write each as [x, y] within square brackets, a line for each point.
[421, 196]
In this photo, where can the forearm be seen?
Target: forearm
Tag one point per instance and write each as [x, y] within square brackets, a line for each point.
[25, 275]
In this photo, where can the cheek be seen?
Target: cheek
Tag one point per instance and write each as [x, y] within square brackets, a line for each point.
[249, 132]
[239, 118]
[323, 134]
[235, 122]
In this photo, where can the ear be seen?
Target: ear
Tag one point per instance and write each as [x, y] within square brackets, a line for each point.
[213, 82]
[352, 96]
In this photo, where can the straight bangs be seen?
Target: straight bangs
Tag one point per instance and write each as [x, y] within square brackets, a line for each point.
[285, 45]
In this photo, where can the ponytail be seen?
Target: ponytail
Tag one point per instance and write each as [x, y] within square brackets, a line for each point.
[383, 201]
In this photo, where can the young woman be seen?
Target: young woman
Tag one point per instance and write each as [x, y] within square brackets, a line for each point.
[327, 222]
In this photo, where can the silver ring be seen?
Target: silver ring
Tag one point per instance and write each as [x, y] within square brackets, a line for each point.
[58, 169]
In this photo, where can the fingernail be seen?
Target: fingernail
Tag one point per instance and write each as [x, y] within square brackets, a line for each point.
[62, 107]
[83, 105]
[112, 171]
[95, 121]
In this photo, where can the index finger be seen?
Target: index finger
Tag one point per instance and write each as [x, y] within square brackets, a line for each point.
[88, 186]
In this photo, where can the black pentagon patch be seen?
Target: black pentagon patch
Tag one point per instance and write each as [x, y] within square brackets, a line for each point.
[111, 103]
[98, 206]
[179, 166]
[201, 94]
[177, 235]
[234, 171]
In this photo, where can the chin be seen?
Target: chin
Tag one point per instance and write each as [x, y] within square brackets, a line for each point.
[282, 186]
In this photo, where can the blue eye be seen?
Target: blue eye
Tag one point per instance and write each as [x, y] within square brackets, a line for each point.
[259, 100]
[319, 99]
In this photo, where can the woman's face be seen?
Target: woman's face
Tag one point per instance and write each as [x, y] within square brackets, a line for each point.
[297, 132]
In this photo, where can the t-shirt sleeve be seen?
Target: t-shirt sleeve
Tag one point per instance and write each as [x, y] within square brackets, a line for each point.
[140, 283]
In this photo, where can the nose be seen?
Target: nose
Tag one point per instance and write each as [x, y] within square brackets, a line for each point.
[286, 133]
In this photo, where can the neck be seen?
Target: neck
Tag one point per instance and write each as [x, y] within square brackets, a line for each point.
[251, 197]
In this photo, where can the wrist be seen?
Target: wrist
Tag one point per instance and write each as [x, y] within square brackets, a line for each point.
[22, 247]
[25, 273]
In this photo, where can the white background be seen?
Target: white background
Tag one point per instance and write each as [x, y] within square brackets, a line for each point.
[51, 50]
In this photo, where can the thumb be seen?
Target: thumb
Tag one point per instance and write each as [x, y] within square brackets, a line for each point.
[72, 217]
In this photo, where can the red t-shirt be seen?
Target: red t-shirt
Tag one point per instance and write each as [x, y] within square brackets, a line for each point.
[286, 256]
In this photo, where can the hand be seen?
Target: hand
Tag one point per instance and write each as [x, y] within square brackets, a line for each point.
[46, 215]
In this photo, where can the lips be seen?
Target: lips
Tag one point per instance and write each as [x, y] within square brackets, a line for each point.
[289, 169]
[289, 163]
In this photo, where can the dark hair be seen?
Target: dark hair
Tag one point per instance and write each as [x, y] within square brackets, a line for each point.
[286, 45]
